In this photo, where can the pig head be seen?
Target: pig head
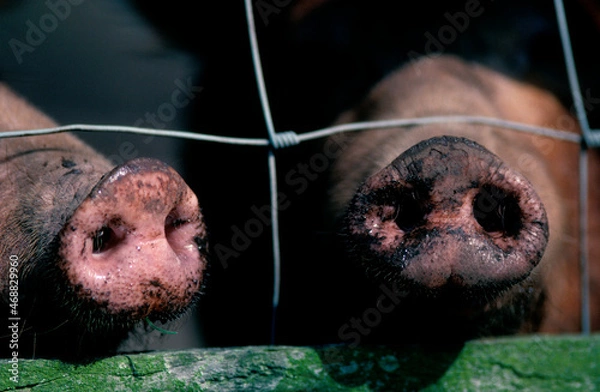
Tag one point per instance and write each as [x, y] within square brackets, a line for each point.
[473, 227]
[96, 249]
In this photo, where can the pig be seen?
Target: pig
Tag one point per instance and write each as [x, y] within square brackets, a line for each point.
[88, 250]
[464, 230]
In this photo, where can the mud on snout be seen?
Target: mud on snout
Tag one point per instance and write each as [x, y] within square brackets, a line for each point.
[446, 214]
[136, 246]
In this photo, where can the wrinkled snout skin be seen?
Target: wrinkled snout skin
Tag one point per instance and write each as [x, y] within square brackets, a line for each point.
[98, 249]
[474, 228]
[447, 212]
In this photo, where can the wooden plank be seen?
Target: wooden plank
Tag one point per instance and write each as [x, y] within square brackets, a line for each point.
[532, 363]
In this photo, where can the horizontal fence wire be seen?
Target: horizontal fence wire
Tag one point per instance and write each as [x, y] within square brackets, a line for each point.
[289, 138]
[278, 140]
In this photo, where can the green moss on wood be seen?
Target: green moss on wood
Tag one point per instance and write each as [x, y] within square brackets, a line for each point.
[535, 363]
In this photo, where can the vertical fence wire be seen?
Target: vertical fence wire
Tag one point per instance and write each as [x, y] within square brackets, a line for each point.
[275, 241]
[583, 241]
[264, 100]
[589, 138]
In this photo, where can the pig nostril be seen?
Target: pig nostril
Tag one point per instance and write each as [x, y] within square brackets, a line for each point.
[172, 223]
[498, 211]
[407, 206]
[103, 240]
[411, 208]
[175, 224]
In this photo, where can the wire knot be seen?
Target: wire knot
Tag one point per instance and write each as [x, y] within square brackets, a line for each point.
[285, 139]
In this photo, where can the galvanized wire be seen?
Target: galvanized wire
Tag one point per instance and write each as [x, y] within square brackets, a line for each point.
[590, 138]
[289, 138]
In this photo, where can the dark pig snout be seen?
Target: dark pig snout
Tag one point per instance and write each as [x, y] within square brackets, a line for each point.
[448, 213]
[134, 247]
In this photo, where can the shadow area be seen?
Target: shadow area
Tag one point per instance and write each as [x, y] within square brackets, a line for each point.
[385, 368]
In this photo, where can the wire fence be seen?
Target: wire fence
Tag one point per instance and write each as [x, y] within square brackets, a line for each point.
[279, 140]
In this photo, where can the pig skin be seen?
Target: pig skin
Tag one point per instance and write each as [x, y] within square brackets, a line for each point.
[447, 85]
[44, 180]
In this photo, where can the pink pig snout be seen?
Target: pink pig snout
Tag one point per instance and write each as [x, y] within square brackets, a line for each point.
[135, 246]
